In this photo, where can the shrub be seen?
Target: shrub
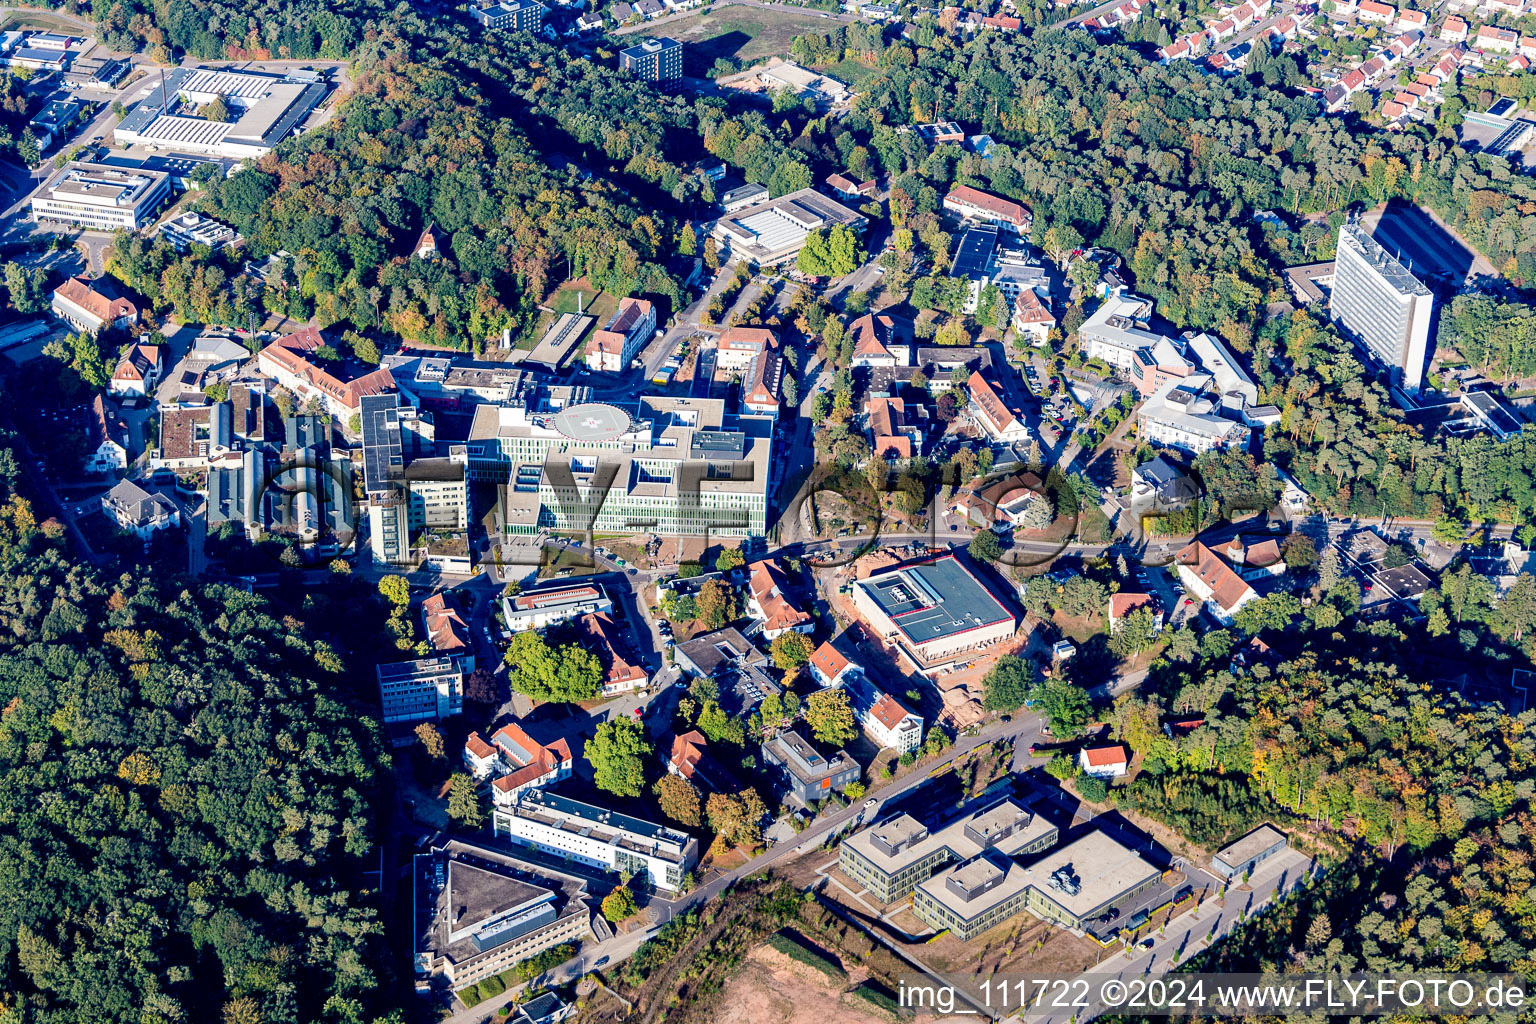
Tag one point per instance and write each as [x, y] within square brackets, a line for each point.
[492, 986]
[471, 995]
[799, 953]
[1094, 790]
[878, 996]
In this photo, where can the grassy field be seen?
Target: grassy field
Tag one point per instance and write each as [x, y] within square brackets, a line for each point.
[563, 300]
[741, 33]
[849, 72]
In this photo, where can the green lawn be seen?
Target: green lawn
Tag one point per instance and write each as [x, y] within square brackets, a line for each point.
[39, 22]
[849, 72]
[564, 300]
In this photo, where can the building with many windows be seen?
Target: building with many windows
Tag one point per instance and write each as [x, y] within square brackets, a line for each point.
[655, 60]
[668, 466]
[598, 837]
[804, 770]
[892, 859]
[511, 15]
[1382, 305]
[101, 198]
[539, 608]
[424, 690]
[479, 911]
[1078, 882]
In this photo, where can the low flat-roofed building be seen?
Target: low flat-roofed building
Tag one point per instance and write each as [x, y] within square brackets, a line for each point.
[1239, 858]
[101, 198]
[480, 910]
[743, 197]
[1491, 414]
[893, 857]
[825, 91]
[1076, 883]
[263, 110]
[773, 232]
[937, 612]
[539, 608]
[598, 837]
[1117, 330]
[806, 772]
[554, 349]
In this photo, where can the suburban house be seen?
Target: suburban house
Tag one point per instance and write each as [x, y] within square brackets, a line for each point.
[689, 758]
[138, 511]
[1109, 762]
[766, 602]
[1123, 603]
[844, 187]
[1210, 579]
[81, 305]
[891, 436]
[137, 371]
[619, 675]
[762, 387]
[291, 361]
[805, 772]
[1032, 318]
[738, 347]
[880, 340]
[881, 716]
[108, 437]
[614, 347]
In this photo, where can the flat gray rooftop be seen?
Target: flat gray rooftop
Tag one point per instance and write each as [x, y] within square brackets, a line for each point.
[1250, 846]
[935, 600]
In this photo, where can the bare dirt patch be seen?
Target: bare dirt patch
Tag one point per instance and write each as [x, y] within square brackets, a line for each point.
[770, 988]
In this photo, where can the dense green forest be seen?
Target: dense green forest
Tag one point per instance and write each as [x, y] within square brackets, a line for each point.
[183, 806]
[232, 29]
[1420, 801]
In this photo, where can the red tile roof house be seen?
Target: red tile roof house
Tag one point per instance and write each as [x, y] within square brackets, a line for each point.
[447, 631]
[1210, 579]
[1109, 762]
[480, 757]
[525, 762]
[137, 371]
[291, 362]
[766, 602]
[691, 760]
[619, 675]
[974, 204]
[614, 347]
[83, 307]
[1122, 604]
[845, 187]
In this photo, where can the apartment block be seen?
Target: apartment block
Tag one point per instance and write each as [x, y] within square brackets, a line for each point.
[655, 60]
[1383, 306]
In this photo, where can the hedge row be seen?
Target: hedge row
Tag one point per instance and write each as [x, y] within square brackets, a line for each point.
[878, 996]
[800, 954]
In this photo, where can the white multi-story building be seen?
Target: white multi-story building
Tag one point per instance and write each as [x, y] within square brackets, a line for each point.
[424, 690]
[881, 716]
[101, 198]
[1382, 305]
[598, 837]
[1117, 330]
[541, 608]
[668, 466]
[1182, 415]
[1210, 579]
